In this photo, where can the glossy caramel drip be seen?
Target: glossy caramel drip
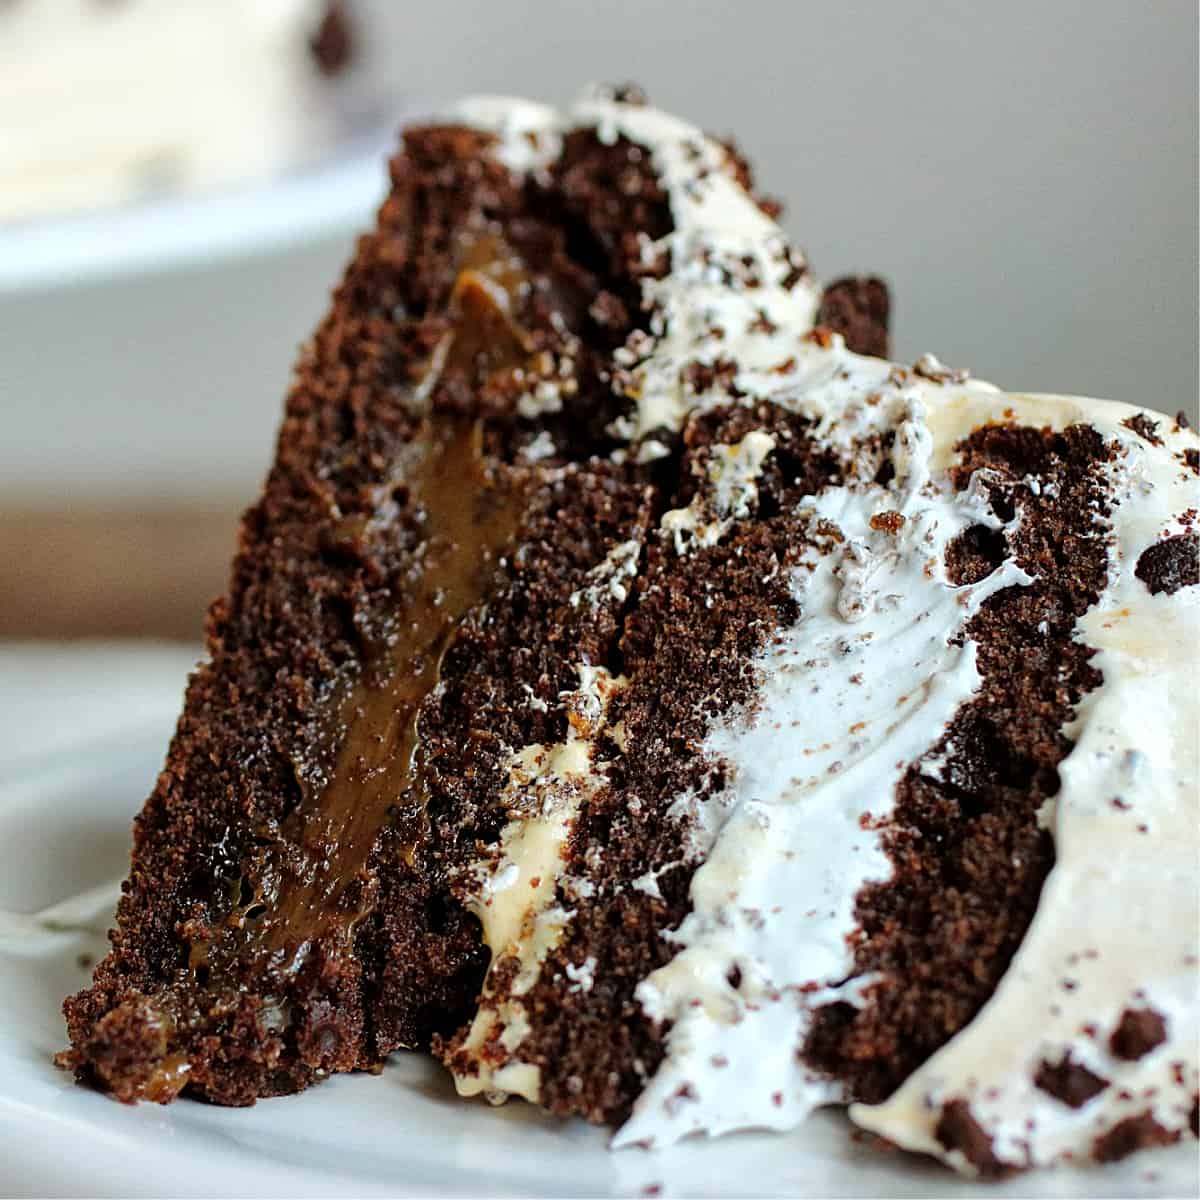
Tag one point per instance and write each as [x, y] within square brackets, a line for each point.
[486, 333]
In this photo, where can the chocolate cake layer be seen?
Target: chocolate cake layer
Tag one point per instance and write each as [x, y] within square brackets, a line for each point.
[254, 951]
[665, 713]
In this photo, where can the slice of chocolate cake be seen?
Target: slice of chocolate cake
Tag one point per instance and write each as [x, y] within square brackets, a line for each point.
[666, 714]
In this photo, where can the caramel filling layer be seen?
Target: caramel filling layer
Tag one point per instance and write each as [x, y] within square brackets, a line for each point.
[316, 885]
[377, 776]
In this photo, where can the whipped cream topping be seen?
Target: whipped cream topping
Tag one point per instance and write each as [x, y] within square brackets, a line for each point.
[866, 683]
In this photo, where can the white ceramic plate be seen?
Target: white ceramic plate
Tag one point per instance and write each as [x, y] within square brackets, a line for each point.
[82, 733]
[258, 218]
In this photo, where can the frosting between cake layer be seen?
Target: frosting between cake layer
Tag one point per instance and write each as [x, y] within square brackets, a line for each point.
[514, 890]
[861, 686]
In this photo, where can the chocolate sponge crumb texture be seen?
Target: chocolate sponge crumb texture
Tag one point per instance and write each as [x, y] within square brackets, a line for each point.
[659, 710]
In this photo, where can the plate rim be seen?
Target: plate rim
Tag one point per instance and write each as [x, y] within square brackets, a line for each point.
[203, 228]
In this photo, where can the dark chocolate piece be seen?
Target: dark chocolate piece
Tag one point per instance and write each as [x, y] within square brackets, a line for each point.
[1145, 427]
[1171, 564]
[859, 308]
[1069, 1081]
[1138, 1032]
[1128, 1136]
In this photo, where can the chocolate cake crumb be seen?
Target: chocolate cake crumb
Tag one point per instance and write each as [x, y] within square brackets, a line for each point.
[1145, 427]
[1132, 1134]
[887, 522]
[1138, 1032]
[459, 566]
[1171, 564]
[975, 553]
[627, 93]
[332, 42]
[1069, 1081]
[859, 308]
[957, 1129]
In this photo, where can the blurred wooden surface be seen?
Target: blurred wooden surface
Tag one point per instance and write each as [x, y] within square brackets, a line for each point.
[122, 572]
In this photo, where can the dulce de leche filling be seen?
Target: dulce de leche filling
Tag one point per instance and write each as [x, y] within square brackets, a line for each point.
[314, 886]
[470, 517]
